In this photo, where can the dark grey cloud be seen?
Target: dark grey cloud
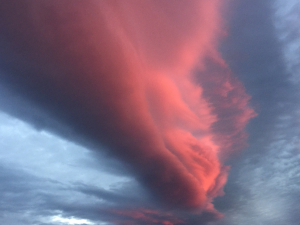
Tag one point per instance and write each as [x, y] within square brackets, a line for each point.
[40, 176]
[22, 196]
[28, 199]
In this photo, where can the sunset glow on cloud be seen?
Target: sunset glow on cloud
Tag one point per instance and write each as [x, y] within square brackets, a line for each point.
[142, 78]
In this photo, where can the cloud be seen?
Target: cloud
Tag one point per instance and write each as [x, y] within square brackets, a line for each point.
[262, 184]
[285, 17]
[122, 75]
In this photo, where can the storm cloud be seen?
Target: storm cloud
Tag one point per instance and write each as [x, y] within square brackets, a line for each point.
[142, 81]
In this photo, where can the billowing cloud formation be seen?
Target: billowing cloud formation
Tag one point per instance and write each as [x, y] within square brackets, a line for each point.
[134, 76]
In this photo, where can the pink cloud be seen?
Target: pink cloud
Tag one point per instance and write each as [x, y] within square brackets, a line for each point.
[133, 75]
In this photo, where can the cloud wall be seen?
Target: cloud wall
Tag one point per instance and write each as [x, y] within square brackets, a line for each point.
[144, 78]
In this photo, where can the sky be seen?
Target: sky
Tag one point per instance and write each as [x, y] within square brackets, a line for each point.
[151, 112]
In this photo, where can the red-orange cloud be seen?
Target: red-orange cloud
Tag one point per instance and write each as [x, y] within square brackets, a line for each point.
[133, 75]
[143, 216]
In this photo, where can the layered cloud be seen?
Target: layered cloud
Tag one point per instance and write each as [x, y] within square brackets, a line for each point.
[142, 78]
